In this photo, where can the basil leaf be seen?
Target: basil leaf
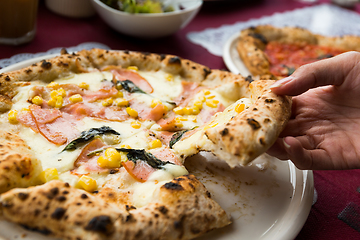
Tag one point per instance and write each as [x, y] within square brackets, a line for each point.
[290, 70]
[129, 86]
[324, 56]
[140, 154]
[87, 136]
[176, 137]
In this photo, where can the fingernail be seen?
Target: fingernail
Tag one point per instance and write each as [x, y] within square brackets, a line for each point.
[286, 144]
[281, 82]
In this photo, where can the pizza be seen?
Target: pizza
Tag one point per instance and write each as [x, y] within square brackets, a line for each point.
[267, 50]
[93, 143]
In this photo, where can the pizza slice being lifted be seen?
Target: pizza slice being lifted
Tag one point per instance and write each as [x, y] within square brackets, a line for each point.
[267, 50]
[93, 143]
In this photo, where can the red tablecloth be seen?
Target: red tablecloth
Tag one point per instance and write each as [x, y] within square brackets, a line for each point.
[336, 213]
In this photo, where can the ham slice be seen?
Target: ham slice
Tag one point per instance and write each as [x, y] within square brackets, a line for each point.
[121, 74]
[139, 171]
[48, 122]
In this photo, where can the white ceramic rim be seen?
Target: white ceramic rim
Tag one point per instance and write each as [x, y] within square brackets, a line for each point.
[231, 57]
[148, 15]
[27, 63]
[299, 209]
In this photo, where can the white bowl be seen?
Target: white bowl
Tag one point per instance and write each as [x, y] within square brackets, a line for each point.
[148, 25]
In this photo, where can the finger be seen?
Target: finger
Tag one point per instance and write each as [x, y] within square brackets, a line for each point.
[277, 150]
[313, 159]
[332, 71]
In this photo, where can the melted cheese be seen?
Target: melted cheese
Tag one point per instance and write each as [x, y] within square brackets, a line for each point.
[94, 79]
[165, 87]
[198, 140]
[145, 193]
[53, 156]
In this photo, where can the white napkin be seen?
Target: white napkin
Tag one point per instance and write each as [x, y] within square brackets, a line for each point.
[25, 56]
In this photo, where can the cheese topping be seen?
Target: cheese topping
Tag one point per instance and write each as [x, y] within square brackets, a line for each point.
[57, 121]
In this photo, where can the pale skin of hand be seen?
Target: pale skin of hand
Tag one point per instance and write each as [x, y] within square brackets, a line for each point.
[324, 130]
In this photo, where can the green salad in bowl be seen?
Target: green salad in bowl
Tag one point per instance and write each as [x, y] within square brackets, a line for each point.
[139, 6]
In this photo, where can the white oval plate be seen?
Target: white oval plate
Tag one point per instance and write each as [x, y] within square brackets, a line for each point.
[269, 199]
[231, 57]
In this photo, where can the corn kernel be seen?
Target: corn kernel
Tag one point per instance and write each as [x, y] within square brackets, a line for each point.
[134, 68]
[61, 92]
[187, 111]
[135, 124]
[181, 118]
[195, 110]
[49, 174]
[107, 102]
[125, 146]
[84, 85]
[59, 102]
[53, 94]
[76, 98]
[240, 107]
[53, 85]
[169, 77]
[112, 159]
[12, 116]
[210, 125]
[132, 112]
[206, 92]
[178, 110]
[155, 144]
[119, 94]
[210, 96]
[198, 104]
[179, 124]
[121, 102]
[202, 98]
[37, 100]
[213, 103]
[52, 102]
[155, 102]
[119, 87]
[87, 183]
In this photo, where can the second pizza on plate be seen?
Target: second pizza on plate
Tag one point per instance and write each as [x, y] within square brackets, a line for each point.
[268, 50]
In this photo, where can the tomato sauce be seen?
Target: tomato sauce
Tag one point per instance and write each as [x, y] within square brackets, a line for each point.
[285, 58]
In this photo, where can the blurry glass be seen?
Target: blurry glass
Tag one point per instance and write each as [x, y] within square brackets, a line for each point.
[17, 21]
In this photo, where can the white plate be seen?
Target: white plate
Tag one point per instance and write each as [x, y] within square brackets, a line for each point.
[231, 57]
[270, 199]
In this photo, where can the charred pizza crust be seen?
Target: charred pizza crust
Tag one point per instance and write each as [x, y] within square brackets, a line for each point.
[253, 131]
[252, 42]
[184, 208]
[18, 166]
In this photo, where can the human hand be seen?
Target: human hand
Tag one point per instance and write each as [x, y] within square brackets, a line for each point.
[324, 130]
